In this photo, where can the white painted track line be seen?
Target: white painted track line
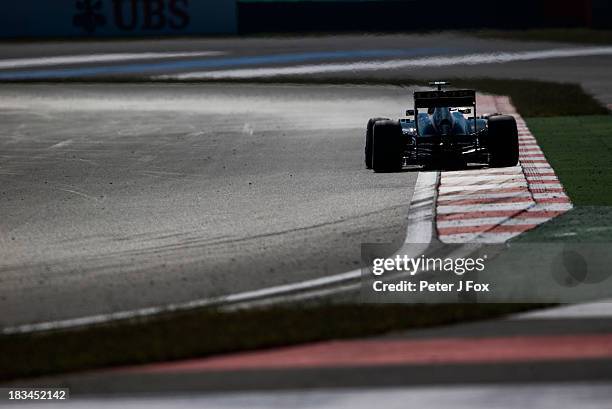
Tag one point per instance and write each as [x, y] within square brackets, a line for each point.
[10, 63]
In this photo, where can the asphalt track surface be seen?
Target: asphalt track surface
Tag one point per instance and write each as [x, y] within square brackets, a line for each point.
[116, 197]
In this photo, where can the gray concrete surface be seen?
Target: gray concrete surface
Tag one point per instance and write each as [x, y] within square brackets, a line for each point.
[117, 197]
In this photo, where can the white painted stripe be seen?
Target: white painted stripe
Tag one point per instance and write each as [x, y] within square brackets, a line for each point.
[487, 171]
[479, 237]
[470, 59]
[535, 186]
[476, 196]
[483, 207]
[551, 207]
[515, 170]
[535, 178]
[530, 170]
[549, 195]
[99, 58]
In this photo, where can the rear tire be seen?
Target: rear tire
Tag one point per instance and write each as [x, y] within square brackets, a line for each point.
[368, 141]
[387, 147]
[502, 141]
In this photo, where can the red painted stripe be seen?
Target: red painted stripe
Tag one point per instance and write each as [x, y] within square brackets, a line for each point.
[454, 177]
[485, 191]
[540, 213]
[534, 161]
[463, 182]
[548, 190]
[499, 213]
[544, 182]
[535, 180]
[537, 170]
[359, 353]
[492, 200]
[553, 200]
[489, 228]
[532, 174]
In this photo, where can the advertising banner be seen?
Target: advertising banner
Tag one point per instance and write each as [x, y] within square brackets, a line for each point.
[117, 18]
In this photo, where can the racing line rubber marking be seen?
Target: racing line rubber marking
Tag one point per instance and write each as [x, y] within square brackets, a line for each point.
[494, 205]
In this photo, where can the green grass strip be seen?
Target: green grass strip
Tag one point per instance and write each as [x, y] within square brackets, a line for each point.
[579, 148]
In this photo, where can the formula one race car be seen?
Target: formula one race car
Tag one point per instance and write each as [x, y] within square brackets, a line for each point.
[445, 136]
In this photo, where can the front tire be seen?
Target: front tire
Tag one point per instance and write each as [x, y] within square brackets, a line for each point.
[502, 141]
[368, 141]
[387, 149]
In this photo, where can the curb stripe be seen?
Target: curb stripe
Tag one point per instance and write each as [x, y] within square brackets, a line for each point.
[437, 351]
[493, 205]
[491, 228]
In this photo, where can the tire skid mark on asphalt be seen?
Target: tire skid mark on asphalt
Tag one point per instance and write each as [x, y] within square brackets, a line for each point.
[515, 199]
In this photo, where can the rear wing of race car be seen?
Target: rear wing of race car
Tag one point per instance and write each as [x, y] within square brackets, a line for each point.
[451, 99]
[440, 99]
